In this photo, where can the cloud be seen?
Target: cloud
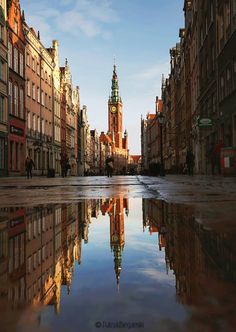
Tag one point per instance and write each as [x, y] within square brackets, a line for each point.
[89, 17]
[153, 72]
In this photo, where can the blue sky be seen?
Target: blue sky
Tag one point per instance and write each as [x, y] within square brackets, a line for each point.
[91, 32]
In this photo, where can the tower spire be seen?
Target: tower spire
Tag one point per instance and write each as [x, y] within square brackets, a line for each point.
[115, 98]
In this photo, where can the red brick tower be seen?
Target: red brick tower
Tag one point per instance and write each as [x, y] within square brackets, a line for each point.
[115, 112]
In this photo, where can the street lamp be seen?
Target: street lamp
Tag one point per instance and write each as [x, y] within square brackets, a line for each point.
[161, 119]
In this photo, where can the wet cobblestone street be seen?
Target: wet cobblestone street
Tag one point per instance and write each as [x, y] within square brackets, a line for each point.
[127, 253]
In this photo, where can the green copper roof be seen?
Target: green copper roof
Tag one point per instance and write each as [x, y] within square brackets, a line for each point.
[115, 98]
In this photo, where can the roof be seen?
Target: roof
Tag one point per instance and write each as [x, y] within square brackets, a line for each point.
[105, 138]
[135, 158]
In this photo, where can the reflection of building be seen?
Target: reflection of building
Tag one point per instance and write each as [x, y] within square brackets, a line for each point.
[115, 209]
[198, 256]
[39, 247]
[153, 218]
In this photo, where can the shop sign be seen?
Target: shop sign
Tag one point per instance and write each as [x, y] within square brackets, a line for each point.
[205, 122]
[16, 131]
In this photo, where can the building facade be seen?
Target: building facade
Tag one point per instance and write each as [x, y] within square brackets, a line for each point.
[39, 102]
[226, 83]
[16, 90]
[3, 90]
[54, 51]
[199, 94]
[69, 118]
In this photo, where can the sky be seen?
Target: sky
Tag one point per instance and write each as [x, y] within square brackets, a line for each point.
[138, 33]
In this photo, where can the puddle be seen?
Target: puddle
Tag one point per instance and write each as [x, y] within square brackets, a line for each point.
[114, 264]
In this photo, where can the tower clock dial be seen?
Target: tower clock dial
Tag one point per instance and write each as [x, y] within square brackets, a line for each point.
[113, 109]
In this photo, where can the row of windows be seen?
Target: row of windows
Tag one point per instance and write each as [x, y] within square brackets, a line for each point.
[16, 252]
[16, 156]
[208, 19]
[227, 80]
[32, 291]
[16, 100]
[39, 256]
[33, 122]
[15, 59]
[35, 66]
[34, 91]
[36, 227]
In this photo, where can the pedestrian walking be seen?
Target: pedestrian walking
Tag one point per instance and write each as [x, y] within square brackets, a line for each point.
[29, 164]
[215, 157]
[190, 161]
[109, 166]
[64, 166]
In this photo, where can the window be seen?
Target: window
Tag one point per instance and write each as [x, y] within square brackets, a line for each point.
[213, 56]
[38, 120]
[43, 253]
[10, 96]
[16, 106]
[2, 109]
[21, 65]
[42, 73]
[42, 98]
[228, 74]
[206, 24]
[49, 102]
[28, 88]
[35, 261]
[28, 59]
[38, 69]
[34, 127]
[16, 59]
[43, 127]
[39, 256]
[38, 95]
[21, 103]
[201, 36]
[212, 11]
[46, 100]
[1, 32]
[29, 264]
[2, 70]
[29, 122]
[10, 54]
[227, 14]
[33, 91]
[16, 26]
[33, 64]
[221, 32]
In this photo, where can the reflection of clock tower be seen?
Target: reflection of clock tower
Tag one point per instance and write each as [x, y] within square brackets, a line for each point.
[117, 236]
[115, 112]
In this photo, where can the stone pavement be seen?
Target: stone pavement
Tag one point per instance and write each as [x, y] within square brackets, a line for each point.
[172, 188]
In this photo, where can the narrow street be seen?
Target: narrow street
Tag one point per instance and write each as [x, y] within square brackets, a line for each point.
[127, 252]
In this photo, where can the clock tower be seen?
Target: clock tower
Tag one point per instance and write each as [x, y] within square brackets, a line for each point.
[115, 112]
[117, 234]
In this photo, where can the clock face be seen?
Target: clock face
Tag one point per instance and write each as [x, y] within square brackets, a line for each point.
[113, 109]
[115, 238]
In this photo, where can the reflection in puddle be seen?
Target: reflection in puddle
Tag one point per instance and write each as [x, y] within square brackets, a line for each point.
[72, 265]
